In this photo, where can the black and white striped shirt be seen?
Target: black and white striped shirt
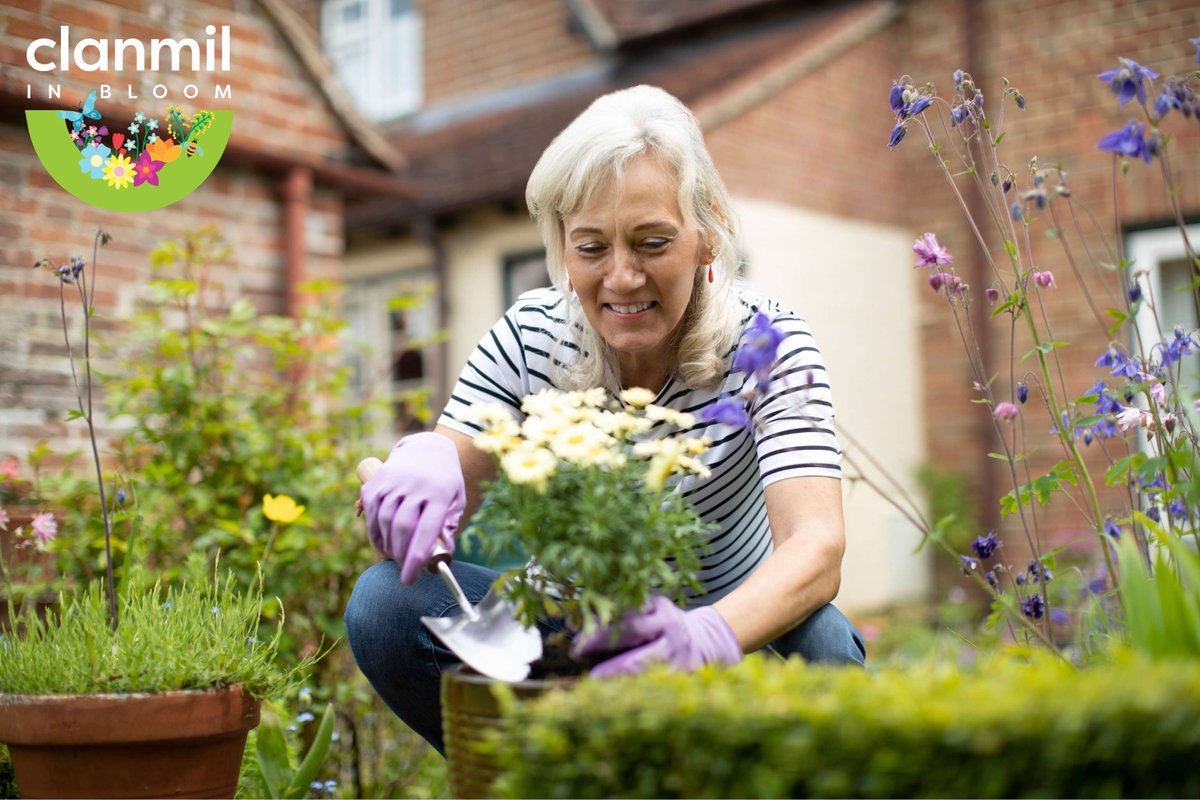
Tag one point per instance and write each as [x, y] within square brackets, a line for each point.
[792, 435]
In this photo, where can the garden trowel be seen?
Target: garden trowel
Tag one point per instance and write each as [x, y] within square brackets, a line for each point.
[487, 637]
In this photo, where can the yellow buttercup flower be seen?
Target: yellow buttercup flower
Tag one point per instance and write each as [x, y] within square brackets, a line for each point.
[281, 508]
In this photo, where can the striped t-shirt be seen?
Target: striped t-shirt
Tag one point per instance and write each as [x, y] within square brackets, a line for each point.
[792, 435]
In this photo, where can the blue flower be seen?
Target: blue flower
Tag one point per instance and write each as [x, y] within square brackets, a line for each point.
[726, 411]
[897, 135]
[139, 117]
[1058, 616]
[120, 497]
[330, 785]
[958, 79]
[134, 127]
[969, 564]
[916, 106]
[759, 347]
[896, 97]
[1134, 292]
[1182, 345]
[316, 786]
[152, 125]
[959, 114]
[984, 546]
[1177, 509]
[1016, 211]
[1128, 80]
[1022, 391]
[1130, 141]
[1112, 528]
[92, 159]
[1153, 513]
[1020, 101]
[1165, 101]
[152, 138]
[1033, 606]
[305, 717]
[1037, 571]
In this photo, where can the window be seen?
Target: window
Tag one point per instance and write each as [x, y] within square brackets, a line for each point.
[393, 327]
[522, 273]
[1160, 253]
[375, 48]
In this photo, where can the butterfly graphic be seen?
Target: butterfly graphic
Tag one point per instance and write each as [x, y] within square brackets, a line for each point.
[88, 110]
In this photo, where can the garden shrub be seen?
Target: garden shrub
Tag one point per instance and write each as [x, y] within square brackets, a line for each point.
[1000, 728]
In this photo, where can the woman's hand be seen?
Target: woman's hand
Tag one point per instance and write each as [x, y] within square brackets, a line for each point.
[663, 632]
[415, 500]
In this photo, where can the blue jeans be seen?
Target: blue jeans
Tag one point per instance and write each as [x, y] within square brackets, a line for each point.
[404, 662]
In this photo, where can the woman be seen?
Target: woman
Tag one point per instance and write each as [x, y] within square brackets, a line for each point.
[642, 251]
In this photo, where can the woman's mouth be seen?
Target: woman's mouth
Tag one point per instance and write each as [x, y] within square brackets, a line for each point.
[632, 308]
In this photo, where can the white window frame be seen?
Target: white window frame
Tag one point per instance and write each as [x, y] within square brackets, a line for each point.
[390, 80]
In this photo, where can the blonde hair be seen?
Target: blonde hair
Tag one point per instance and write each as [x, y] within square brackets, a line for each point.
[612, 131]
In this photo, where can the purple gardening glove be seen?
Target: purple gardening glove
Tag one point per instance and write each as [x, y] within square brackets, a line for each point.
[663, 632]
[414, 501]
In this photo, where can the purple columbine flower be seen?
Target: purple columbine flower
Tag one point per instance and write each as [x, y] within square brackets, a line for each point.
[1006, 185]
[1130, 141]
[992, 294]
[1177, 509]
[120, 497]
[1033, 606]
[959, 114]
[1153, 513]
[1044, 279]
[1159, 484]
[1016, 211]
[1112, 528]
[984, 546]
[952, 282]
[896, 97]
[897, 135]
[726, 411]
[1005, 411]
[1038, 572]
[959, 75]
[1167, 99]
[1020, 101]
[759, 348]
[1022, 391]
[992, 580]
[1183, 344]
[1128, 80]
[1134, 292]
[916, 106]
[1019, 579]
[969, 564]
[929, 252]
[1058, 616]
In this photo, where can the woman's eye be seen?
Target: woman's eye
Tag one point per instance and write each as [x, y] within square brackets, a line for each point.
[655, 244]
[590, 249]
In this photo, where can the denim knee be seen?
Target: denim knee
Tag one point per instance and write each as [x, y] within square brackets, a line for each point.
[827, 637]
[383, 625]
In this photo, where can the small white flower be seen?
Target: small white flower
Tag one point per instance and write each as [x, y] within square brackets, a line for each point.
[637, 397]
[490, 415]
[595, 398]
[680, 419]
[529, 465]
[578, 443]
[621, 424]
[1130, 417]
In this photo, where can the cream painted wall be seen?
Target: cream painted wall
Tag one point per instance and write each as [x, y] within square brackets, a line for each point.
[854, 283]
[476, 250]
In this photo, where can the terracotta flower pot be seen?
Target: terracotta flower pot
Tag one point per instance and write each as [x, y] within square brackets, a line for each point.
[170, 744]
[469, 712]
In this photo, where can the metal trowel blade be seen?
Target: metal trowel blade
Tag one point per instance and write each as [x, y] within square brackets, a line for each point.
[495, 644]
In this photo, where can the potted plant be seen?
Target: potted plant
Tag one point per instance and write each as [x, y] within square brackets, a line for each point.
[584, 489]
[130, 689]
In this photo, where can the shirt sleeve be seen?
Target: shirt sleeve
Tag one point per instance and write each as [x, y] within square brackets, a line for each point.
[494, 373]
[793, 418]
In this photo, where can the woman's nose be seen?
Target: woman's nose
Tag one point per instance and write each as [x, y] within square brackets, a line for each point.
[626, 272]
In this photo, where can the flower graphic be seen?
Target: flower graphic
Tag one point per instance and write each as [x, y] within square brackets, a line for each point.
[134, 127]
[164, 150]
[94, 156]
[146, 170]
[152, 125]
[139, 117]
[118, 171]
[281, 508]
[152, 138]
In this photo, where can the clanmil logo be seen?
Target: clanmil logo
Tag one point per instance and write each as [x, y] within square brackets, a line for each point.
[155, 158]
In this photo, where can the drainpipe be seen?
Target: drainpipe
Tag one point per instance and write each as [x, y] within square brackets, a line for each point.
[980, 275]
[426, 230]
[297, 193]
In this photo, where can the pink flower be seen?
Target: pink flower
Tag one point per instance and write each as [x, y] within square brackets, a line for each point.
[1130, 417]
[1158, 391]
[44, 529]
[3, 519]
[146, 170]
[929, 252]
[1044, 279]
[8, 468]
[1005, 411]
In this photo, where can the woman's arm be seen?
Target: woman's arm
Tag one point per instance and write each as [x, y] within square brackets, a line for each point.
[803, 572]
[477, 467]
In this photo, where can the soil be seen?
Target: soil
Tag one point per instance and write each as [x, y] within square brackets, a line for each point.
[557, 661]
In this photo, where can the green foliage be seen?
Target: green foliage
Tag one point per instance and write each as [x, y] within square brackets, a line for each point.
[1002, 728]
[8, 780]
[1041, 488]
[282, 780]
[1162, 605]
[949, 504]
[198, 635]
[590, 528]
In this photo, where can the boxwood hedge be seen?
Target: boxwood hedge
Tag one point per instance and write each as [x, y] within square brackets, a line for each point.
[1005, 727]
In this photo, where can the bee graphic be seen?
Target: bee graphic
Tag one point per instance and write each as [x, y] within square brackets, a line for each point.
[88, 110]
[194, 148]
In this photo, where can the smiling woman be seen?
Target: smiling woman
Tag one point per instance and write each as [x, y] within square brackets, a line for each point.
[641, 243]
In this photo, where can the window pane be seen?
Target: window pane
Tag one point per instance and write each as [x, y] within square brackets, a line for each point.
[352, 12]
[1178, 308]
[400, 7]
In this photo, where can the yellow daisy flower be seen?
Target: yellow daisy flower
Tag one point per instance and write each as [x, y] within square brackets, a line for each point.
[118, 171]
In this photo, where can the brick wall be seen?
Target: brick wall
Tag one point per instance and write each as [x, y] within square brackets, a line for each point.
[472, 48]
[1052, 52]
[275, 109]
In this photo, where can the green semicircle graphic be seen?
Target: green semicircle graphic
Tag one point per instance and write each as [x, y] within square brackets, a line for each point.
[177, 179]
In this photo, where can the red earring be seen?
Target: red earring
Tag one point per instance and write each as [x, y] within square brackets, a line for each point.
[710, 273]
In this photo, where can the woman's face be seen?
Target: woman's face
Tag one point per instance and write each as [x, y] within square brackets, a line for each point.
[632, 260]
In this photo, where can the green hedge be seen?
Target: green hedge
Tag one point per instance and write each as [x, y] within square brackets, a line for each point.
[1002, 728]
